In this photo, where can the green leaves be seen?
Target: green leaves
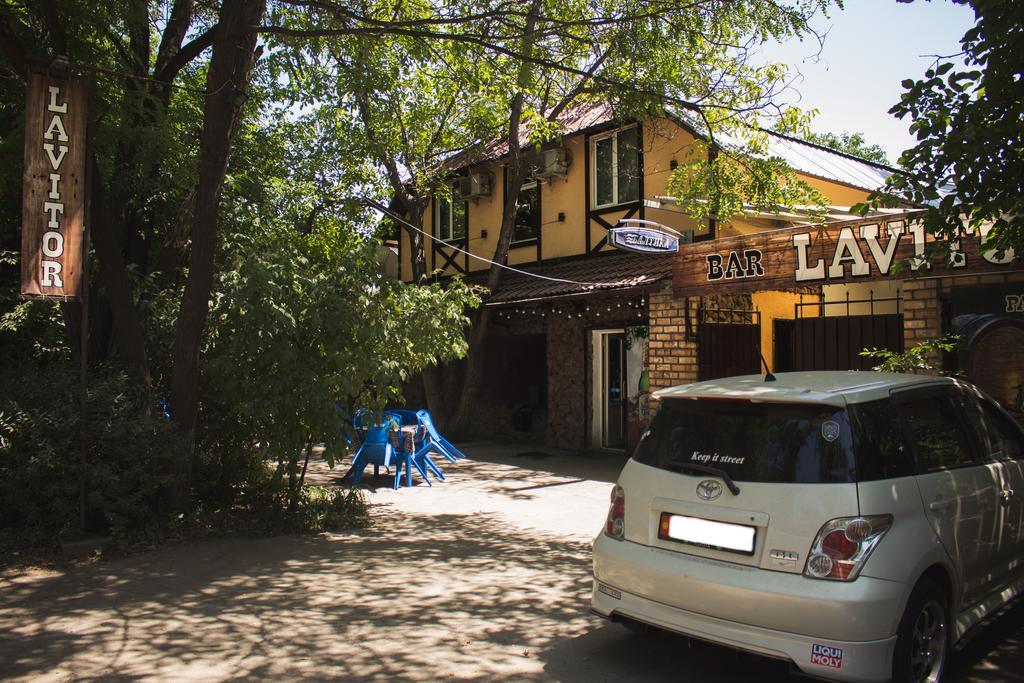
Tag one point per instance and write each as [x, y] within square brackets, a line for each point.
[725, 184]
[923, 357]
[296, 328]
[966, 166]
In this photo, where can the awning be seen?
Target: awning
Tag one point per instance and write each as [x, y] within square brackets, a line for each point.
[595, 274]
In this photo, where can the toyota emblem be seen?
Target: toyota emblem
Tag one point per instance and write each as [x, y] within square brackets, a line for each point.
[709, 489]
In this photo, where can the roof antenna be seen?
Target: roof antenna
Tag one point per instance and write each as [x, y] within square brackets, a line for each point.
[768, 376]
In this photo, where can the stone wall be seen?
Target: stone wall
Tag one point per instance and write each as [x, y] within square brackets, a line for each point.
[672, 349]
[570, 387]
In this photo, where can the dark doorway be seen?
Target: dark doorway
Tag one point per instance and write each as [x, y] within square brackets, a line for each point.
[513, 400]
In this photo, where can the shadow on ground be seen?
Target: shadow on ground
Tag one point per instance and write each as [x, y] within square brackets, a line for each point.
[484, 577]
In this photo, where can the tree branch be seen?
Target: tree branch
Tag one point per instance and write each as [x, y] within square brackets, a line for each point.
[174, 34]
[12, 46]
[186, 54]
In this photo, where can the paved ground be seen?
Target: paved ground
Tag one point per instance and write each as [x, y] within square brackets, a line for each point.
[483, 577]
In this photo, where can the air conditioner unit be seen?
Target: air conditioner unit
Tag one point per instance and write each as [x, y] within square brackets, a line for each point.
[553, 162]
[475, 185]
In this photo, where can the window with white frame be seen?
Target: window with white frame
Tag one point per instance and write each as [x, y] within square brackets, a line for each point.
[451, 216]
[615, 167]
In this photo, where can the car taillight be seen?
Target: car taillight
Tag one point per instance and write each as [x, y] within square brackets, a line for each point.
[843, 546]
[616, 524]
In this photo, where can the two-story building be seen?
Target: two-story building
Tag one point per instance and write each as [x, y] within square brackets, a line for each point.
[579, 336]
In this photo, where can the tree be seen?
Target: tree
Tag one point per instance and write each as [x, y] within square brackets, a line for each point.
[967, 168]
[525, 65]
[153, 205]
[850, 143]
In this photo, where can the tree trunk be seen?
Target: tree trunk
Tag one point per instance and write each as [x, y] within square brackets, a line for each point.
[476, 358]
[226, 83]
[131, 338]
[515, 173]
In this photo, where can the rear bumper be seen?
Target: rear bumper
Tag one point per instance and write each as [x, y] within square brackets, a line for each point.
[842, 631]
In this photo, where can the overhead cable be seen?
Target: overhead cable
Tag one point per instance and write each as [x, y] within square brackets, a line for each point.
[387, 212]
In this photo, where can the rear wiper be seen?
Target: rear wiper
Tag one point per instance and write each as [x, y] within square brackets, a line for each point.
[704, 469]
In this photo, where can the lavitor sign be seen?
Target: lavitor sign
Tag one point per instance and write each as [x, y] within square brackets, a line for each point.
[54, 188]
[849, 251]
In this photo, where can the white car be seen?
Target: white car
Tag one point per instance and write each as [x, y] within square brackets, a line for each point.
[856, 524]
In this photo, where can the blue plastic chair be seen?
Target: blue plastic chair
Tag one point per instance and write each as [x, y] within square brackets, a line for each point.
[404, 417]
[419, 458]
[376, 450]
[438, 442]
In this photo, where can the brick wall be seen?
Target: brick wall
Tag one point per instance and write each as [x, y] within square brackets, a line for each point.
[673, 348]
[923, 301]
[671, 354]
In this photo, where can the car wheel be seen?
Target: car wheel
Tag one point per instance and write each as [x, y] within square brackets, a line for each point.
[922, 641]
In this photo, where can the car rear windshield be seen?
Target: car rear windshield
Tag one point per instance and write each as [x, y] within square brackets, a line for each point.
[758, 442]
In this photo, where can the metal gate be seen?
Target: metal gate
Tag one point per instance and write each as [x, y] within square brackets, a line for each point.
[834, 342]
[728, 342]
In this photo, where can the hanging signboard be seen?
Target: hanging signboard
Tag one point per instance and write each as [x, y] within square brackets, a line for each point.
[832, 254]
[645, 237]
[54, 188]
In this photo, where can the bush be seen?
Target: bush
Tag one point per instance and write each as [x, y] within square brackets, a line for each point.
[324, 509]
[119, 458]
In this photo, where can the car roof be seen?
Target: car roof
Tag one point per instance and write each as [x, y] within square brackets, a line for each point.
[828, 387]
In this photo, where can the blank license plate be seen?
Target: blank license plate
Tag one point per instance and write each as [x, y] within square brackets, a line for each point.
[734, 537]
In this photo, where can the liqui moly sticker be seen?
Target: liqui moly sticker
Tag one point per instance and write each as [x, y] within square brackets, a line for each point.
[823, 655]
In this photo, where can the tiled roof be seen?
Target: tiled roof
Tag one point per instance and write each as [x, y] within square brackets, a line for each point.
[598, 273]
[572, 121]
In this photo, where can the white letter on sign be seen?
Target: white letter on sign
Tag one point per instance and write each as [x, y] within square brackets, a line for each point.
[56, 126]
[53, 208]
[57, 240]
[847, 250]
[883, 257]
[801, 242]
[51, 274]
[53, 106]
[55, 161]
[918, 261]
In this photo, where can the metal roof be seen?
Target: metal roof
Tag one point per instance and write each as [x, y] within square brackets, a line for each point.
[802, 156]
[806, 157]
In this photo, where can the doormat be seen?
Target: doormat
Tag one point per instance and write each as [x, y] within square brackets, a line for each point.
[534, 454]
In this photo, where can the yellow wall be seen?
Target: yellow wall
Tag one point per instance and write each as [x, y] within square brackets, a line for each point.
[861, 291]
[663, 142]
[772, 305]
[566, 195]
[838, 194]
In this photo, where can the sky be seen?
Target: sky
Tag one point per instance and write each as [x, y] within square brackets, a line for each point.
[870, 47]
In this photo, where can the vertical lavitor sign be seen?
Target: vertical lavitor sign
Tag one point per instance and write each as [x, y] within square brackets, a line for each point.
[54, 196]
